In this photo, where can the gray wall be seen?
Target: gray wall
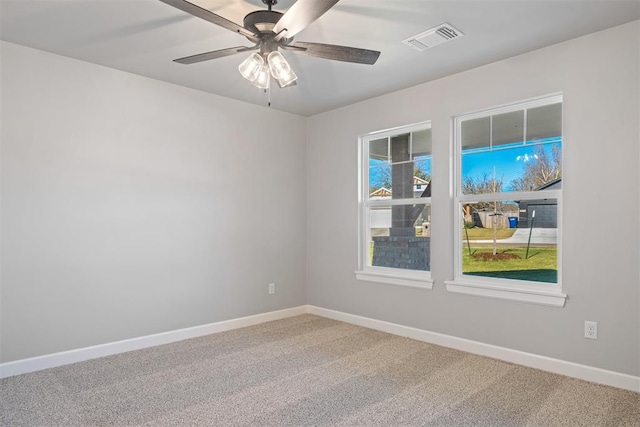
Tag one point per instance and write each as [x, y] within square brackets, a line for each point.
[125, 209]
[599, 76]
[637, 217]
[132, 206]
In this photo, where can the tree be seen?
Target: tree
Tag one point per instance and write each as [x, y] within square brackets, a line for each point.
[380, 177]
[482, 185]
[420, 173]
[544, 167]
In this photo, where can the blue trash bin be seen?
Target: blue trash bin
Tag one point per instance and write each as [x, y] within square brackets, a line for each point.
[513, 222]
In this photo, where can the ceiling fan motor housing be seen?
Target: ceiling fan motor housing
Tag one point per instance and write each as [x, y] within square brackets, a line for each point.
[262, 21]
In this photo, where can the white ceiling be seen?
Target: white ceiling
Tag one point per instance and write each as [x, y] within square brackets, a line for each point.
[144, 36]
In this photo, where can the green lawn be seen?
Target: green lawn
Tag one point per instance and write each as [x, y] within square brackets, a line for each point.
[541, 266]
[487, 233]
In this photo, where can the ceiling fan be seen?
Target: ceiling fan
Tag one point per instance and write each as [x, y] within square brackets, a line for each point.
[270, 31]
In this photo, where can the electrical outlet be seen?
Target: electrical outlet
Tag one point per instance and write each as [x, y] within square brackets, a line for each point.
[591, 330]
[272, 288]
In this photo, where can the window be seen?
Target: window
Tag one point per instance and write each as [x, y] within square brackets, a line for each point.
[395, 206]
[508, 198]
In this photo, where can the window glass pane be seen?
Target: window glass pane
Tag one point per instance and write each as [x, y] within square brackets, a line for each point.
[400, 237]
[508, 239]
[421, 153]
[544, 123]
[507, 128]
[379, 168]
[406, 172]
[476, 133]
[522, 168]
[379, 180]
[421, 143]
[379, 149]
[485, 171]
[540, 168]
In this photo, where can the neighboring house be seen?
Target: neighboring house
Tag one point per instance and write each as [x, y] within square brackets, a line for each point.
[381, 217]
[546, 209]
[380, 193]
[419, 186]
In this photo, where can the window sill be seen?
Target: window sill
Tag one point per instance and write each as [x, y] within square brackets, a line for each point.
[414, 280]
[533, 296]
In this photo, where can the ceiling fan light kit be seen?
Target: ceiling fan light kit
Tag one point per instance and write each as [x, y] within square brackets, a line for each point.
[270, 31]
[280, 69]
[251, 67]
[258, 72]
[263, 79]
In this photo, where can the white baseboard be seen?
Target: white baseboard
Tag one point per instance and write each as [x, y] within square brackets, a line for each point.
[24, 366]
[557, 366]
[575, 370]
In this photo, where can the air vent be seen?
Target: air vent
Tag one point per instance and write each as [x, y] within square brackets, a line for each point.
[433, 37]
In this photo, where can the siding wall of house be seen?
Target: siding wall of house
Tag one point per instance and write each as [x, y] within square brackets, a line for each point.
[599, 76]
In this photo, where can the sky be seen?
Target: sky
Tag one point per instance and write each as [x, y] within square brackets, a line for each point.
[509, 163]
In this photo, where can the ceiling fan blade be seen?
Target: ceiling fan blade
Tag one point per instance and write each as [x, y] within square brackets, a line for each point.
[212, 55]
[337, 53]
[199, 12]
[300, 15]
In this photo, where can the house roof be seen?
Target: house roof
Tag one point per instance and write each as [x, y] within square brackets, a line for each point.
[419, 181]
[417, 186]
[381, 192]
[549, 184]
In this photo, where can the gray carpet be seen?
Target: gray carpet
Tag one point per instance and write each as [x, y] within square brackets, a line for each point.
[307, 370]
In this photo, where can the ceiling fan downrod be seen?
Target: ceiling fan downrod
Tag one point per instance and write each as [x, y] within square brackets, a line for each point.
[270, 3]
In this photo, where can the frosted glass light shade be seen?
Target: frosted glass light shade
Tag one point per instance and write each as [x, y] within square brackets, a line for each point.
[250, 67]
[262, 80]
[289, 79]
[280, 69]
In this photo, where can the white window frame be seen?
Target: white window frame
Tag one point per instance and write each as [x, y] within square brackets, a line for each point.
[516, 290]
[394, 276]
